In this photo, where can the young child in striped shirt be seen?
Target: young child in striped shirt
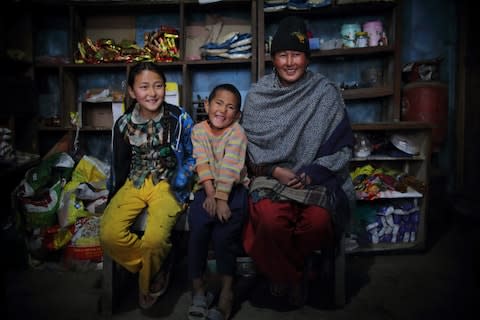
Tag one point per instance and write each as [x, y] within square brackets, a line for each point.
[219, 208]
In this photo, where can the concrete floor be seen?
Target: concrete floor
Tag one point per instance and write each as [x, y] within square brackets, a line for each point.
[440, 283]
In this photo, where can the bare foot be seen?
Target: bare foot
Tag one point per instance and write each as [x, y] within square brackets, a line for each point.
[146, 300]
[225, 304]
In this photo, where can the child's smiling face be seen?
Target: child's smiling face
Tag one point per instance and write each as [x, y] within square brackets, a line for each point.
[149, 91]
[223, 109]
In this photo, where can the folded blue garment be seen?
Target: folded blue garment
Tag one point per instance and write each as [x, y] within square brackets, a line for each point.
[240, 49]
[234, 40]
[223, 45]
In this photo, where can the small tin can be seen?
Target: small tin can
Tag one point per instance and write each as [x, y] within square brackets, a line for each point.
[361, 39]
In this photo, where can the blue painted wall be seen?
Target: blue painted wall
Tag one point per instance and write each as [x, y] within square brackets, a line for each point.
[430, 31]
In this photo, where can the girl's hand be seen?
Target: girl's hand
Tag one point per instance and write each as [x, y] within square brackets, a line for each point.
[210, 205]
[223, 211]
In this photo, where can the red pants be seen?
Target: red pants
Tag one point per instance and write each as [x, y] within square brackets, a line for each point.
[279, 236]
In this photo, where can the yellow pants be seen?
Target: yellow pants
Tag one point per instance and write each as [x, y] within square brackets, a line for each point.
[146, 254]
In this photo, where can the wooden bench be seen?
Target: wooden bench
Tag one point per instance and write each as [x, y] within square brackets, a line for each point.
[333, 269]
[335, 273]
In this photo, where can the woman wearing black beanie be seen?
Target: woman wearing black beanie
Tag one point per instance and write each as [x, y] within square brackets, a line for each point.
[299, 147]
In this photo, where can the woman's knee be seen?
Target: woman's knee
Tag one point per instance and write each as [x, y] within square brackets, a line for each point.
[318, 218]
[270, 222]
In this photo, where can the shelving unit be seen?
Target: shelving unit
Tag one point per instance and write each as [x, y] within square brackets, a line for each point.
[416, 166]
[58, 26]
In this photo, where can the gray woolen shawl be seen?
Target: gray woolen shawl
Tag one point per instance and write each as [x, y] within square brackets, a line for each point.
[286, 126]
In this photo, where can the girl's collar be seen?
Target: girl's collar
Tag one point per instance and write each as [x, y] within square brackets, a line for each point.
[138, 119]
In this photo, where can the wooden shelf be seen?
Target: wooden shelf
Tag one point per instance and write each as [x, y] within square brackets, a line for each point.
[367, 93]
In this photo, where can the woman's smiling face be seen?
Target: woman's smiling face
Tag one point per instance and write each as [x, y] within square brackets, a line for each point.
[290, 66]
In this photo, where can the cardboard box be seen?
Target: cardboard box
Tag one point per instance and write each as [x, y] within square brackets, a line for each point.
[96, 114]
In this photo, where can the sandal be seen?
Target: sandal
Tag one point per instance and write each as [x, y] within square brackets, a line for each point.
[160, 284]
[198, 310]
[146, 301]
[278, 289]
[158, 287]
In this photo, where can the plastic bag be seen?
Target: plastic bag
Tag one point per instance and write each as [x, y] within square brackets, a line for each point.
[88, 184]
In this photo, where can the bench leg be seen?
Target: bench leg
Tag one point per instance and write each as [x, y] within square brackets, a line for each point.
[339, 274]
[107, 287]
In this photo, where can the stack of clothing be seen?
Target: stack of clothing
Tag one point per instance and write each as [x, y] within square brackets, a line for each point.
[233, 45]
[279, 5]
[275, 5]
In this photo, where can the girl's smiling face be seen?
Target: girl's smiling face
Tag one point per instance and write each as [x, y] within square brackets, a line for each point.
[149, 91]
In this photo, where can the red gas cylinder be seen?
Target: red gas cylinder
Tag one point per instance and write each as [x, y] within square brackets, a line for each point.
[427, 101]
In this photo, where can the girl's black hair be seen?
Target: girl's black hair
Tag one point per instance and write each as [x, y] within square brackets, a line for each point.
[134, 71]
[228, 87]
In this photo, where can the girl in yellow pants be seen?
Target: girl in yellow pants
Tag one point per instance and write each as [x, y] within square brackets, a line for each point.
[152, 166]
[146, 254]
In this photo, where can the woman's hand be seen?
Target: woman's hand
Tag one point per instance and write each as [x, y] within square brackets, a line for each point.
[223, 210]
[299, 182]
[283, 175]
[290, 179]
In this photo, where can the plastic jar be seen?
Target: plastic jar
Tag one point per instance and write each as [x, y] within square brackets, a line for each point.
[348, 34]
[374, 30]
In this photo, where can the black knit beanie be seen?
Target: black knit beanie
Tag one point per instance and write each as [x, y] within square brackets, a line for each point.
[291, 35]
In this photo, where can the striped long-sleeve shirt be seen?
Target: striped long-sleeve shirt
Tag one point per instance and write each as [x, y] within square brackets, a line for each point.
[220, 156]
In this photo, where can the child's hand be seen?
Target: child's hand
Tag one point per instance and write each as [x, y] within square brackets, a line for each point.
[223, 210]
[210, 205]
